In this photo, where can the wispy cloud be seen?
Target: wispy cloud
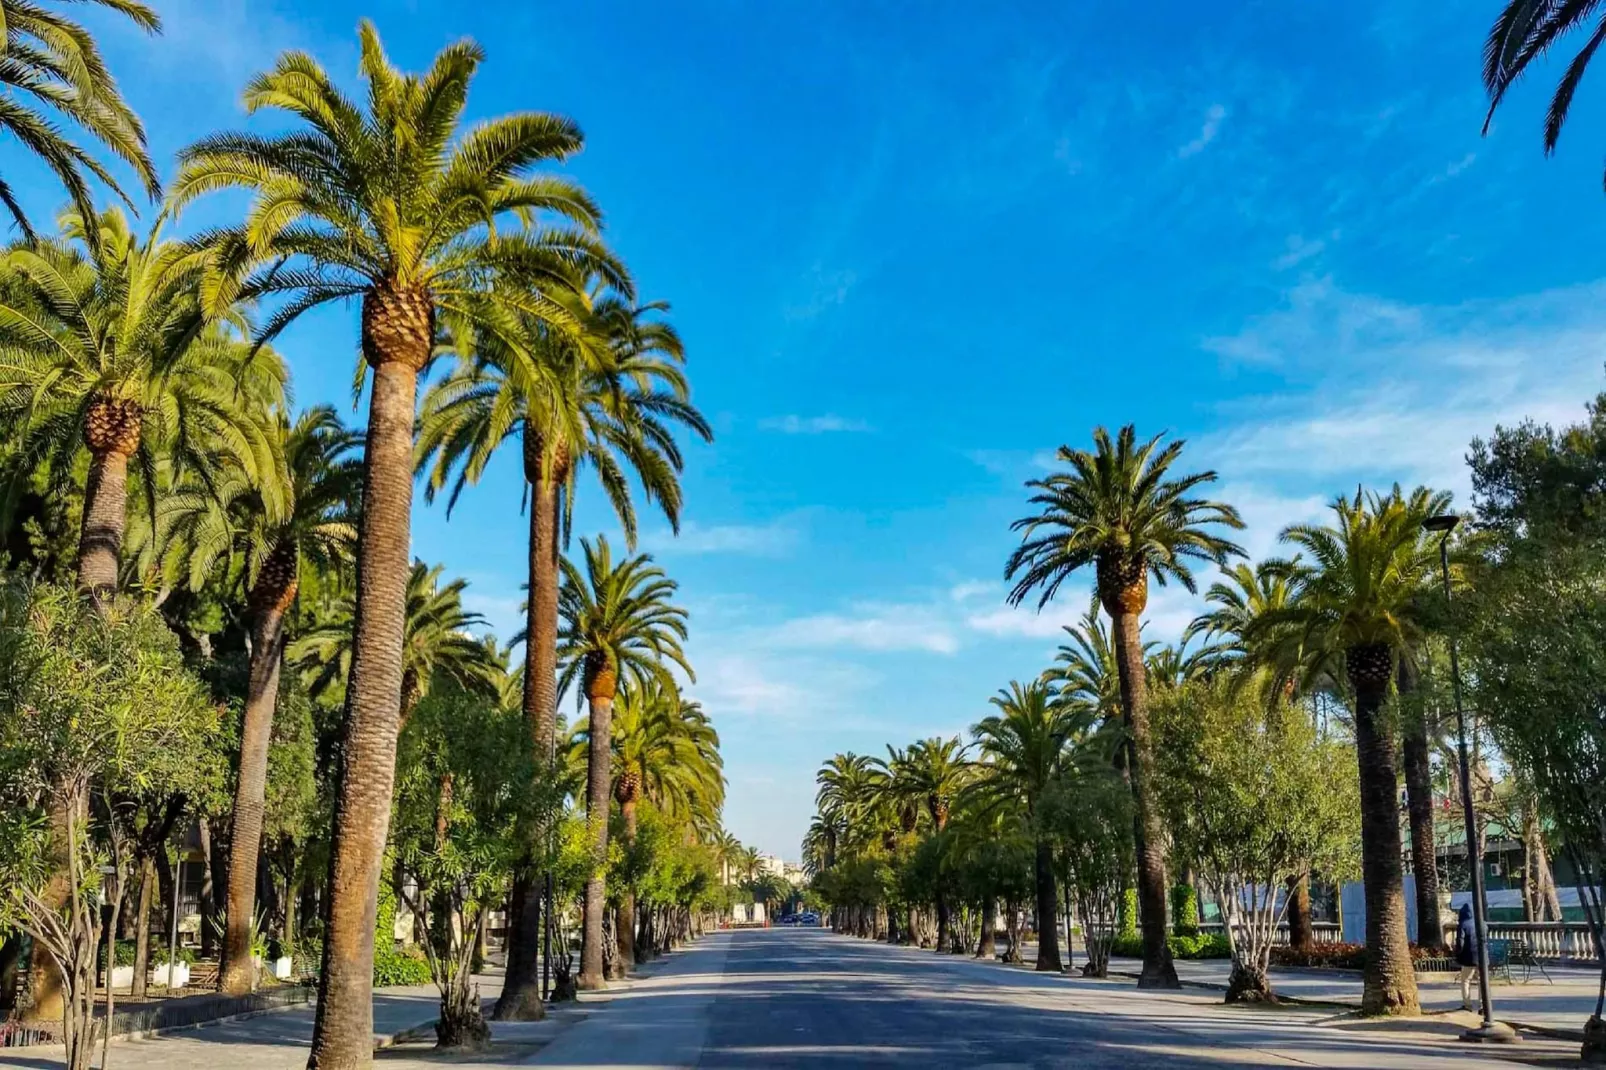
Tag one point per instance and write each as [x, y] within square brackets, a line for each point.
[1214, 117]
[1299, 249]
[823, 289]
[871, 626]
[792, 424]
[759, 540]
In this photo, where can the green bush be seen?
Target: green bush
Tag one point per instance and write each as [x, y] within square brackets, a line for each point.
[1129, 915]
[1199, 946]
[404, 967]
[1184, 910]
[184, 954]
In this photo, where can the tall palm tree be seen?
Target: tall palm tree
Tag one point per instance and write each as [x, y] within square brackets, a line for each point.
[437, 644]
[103, 345]
[606, 401]
[1023, 748]
[936, 770]
[1356, 606]
[666, 751]
[1526, 30]
[847, 786]
[388, 205]
[235, 528]
[1119, 509]
[619, 626]
[53, 71]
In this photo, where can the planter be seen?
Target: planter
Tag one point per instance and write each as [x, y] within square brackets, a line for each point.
[122, 977]
[283, 967]
[181, 975]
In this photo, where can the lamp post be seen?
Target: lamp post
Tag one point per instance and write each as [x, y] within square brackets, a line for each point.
[1490, 1031]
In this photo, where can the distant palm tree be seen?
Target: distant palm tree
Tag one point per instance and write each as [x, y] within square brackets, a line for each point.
[1356, 606]
[936, 771]
[233, 528]
[1085, 668]
[1118, 509]
[435, 230]
[53, 63]
[1526, 30]
[618, 626]
[1023, 749]
[848, 796]
[104, 346]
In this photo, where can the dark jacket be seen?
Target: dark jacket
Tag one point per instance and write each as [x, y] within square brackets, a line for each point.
[1466, 938]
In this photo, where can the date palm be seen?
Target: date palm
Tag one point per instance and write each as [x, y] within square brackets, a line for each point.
[52, 71]
[103, 347]
[387, 204]
[1023, 749]
[1356, 606]
[936, 770]
[619, 626]
[1119, 509]
[846, 796]
[1524, 31]
[238, 531]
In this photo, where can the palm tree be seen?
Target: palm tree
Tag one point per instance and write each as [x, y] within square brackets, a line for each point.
[436, 644]
[1356, 608]
[846, 797]
[235, 528]
[1118, 509]
[619, 626]
[389, 206]
[1085, 668]
[103, 345]
[936, 770]
[1023, 748]
[53, 63]
[666, 751]
[1526, 30]
[607, 402]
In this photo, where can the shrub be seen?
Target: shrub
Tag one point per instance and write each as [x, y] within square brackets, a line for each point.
[1129, 915]
[404, 967]
[1184, 910]
[1326, 956]
[1199, 946]
[186, 955]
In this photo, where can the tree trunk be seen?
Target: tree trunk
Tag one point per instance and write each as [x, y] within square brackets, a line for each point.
[1248, 983]
[626, 960]
[1125, 607]
[398, 331]
[1048, 934]
[100, 540]
[142, 925]
[1301, 935]
[521, 988]
[274, 591]
[1419, 807]
[210, 887]
[986, 945]
[944, 922]
[599, 790]
[1389, 981]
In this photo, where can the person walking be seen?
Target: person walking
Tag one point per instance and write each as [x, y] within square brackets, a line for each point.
[1466, 953]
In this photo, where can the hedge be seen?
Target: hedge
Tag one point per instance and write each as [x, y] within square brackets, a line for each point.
[1200, 946]
[407, 967]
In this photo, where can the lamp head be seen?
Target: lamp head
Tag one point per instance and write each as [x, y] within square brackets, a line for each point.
[1444, 522]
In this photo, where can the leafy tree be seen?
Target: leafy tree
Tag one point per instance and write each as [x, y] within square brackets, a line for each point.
[1267, 799]
[95, 707]
[1090, 817]
[619, 625]
[389, 205]
[1119, 509]
[54, 63]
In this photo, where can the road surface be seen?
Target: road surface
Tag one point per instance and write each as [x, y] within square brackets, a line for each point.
[810, 999]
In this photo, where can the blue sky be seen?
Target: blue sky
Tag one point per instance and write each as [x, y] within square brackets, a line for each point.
[910, 256]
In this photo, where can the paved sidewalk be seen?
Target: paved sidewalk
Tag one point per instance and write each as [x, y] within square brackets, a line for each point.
[1561, 1007]
[278, 1040]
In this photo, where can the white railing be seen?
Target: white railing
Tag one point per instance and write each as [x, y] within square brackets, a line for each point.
[1568, 941]
[1324, 932]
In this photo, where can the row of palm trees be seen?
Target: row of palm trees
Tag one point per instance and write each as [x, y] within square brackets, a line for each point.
[143, 366]
[1346, 618]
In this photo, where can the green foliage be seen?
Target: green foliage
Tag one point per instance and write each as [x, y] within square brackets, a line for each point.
[407, 966]
[1129, 917]
[1198, 946]
[1184, 910]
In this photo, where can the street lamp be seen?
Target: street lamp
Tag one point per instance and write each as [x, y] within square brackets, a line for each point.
[1490, 1030]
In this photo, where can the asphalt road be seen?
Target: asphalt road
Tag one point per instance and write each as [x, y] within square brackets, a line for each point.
[810, 999]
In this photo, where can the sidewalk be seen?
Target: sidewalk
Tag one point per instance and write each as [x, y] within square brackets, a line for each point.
[274, 1041]
[1560, 1008]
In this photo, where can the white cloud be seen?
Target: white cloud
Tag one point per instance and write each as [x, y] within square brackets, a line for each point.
[826, 289]
[812, 425]
[1214, 117]
[1299, 249]
[871, 626]
[758, 540]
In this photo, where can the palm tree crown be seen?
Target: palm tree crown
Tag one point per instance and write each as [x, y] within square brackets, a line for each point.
[1524, 31]
[619, 624]
[53, 63]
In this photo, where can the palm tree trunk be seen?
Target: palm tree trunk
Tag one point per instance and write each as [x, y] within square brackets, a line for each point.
[1389, 982]
[274, 592]
[599, 790]
[1048, 933]
[1301, 935]
[521, 988]
[100, 540]
[986, 945]
[626, 960]
[1419, 808]
[343, 1032]
[1148, 832]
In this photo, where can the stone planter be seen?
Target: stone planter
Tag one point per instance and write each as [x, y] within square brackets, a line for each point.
[122, 978]
[181, 975]
[283, 967]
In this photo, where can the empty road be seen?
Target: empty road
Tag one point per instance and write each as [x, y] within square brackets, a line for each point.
[807, 998]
